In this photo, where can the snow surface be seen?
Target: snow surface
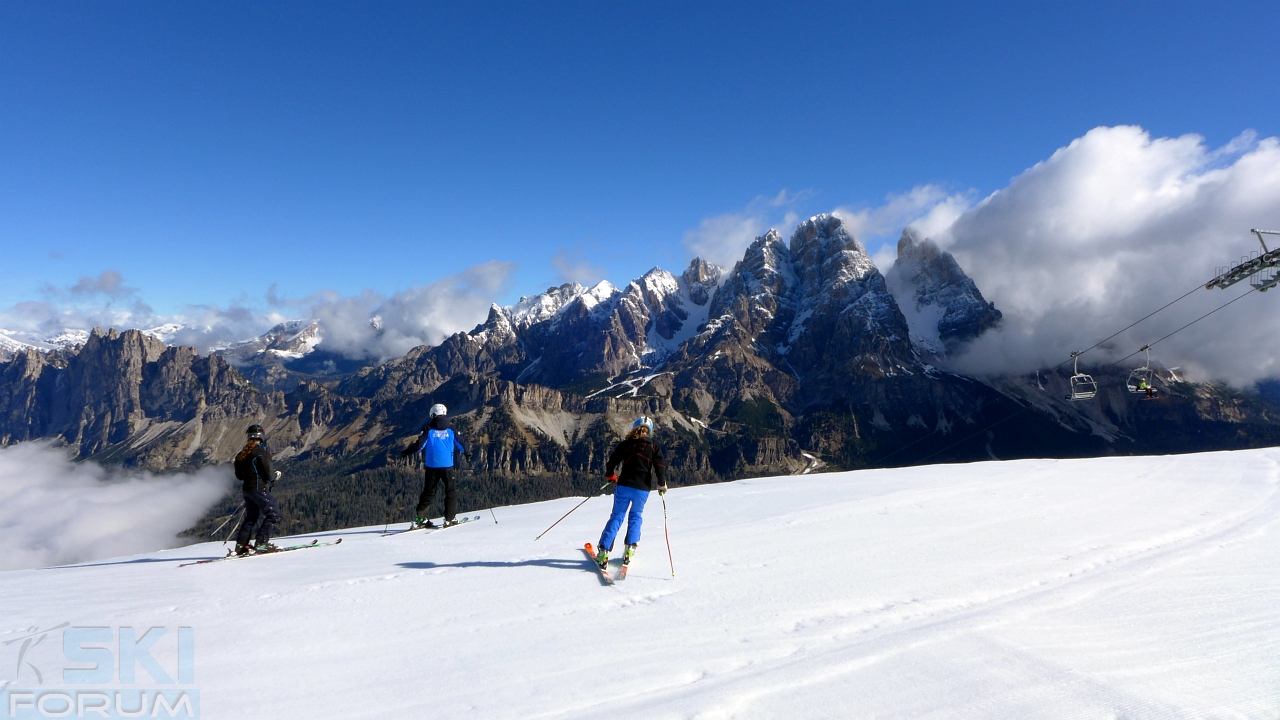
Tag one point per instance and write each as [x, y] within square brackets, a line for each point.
[1141, 587]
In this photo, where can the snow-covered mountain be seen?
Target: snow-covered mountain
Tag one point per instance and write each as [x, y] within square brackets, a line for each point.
[1139, 587]
[289, 340]
[13, 342]
[942, 305]
[11, 345]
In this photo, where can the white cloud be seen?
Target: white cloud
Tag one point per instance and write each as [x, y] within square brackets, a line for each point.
[54, 511]
[424, 314]
[108, 282]
[380, 328]
[722, 239]
[1112, 227]
[571, 267]
[929, 209]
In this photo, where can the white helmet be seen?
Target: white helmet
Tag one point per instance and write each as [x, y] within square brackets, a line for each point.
[439, 409]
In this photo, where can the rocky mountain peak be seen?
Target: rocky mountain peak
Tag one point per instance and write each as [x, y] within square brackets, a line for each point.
[701, 279]
[825, 256]
[941, 303]
[543, 306]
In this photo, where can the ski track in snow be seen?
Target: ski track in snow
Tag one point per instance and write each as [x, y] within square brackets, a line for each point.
[1110, 588]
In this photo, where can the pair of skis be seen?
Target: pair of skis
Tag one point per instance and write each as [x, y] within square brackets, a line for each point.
[232, 556]
[604, 571]
[461, 520]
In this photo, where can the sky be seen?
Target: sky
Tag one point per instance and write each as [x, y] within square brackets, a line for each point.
[215, 161]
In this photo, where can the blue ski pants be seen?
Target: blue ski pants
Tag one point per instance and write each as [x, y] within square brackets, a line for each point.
[623, 498]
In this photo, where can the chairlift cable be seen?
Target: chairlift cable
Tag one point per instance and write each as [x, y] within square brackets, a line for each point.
[1064, 362]
[1184, 327]
[1028, 407]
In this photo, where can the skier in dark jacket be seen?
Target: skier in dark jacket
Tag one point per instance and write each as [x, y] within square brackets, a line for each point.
[640, 470]
[437, 443]
[253, 470]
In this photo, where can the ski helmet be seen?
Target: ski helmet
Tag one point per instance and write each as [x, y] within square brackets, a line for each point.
[439, 409]
[254, 432]
[642, 420]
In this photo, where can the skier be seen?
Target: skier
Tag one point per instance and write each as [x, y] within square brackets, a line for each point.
[639, 463]
[1151, 393]
[437, 443]
[253, 469]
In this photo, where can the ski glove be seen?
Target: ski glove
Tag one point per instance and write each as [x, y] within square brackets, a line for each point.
[467, 456]
[662, 490]
[612, 478]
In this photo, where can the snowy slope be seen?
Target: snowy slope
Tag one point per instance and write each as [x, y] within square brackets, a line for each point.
[1100, 588]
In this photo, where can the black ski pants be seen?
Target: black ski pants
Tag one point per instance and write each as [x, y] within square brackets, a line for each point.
[434, 476]
[258, 506]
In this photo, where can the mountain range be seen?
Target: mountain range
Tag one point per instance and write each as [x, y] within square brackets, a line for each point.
[802, 356]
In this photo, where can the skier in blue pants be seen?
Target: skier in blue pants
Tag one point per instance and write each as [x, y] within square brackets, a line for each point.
[640, 471]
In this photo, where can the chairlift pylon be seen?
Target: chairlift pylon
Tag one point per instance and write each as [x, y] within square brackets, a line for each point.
[1083, 386]
[1142, 375]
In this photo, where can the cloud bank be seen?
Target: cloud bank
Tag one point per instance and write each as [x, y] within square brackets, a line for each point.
[369, 326]
[722, 239]
[1110, 228]
[54, 511]
[379, 328]
[929, 209]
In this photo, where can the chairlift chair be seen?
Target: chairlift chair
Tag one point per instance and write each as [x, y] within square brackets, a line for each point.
[1141, 375]
[1083, 386]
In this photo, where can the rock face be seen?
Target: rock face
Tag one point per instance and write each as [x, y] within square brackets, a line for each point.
[129, 396]
[943, 305]
[799, 355]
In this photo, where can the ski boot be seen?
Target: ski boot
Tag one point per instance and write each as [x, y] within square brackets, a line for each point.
[602, 558]
[242, 549]
[449, 523]
[420, 523]
[626, 561]
[263, 547]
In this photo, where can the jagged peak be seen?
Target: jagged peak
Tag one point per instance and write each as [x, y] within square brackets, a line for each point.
[701, 279]
[599, 293]
[825, 254]
[824, 229]
[767, 252]
[701, 272]
[912, 245]
[943, 306]
[543, 306]
[658, 282]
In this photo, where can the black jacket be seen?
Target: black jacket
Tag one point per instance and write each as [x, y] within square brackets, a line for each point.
[255, 469]
[638, 461]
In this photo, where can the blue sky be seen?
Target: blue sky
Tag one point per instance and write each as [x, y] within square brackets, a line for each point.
[207, 151]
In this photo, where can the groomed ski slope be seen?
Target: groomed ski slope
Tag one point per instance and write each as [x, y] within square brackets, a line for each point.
[1144, 587]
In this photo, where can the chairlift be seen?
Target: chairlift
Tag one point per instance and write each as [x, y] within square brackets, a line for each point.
[1083, 386]
[1141, 377]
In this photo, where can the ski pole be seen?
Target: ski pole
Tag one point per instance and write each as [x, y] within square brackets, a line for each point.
[233, 528]
[495, 517]
[224, 522]
[575, 507]
[663, 496]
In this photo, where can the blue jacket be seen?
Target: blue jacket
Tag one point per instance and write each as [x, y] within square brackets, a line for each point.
[438, 443]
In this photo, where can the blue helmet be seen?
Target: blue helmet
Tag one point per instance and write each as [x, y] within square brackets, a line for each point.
[642, 420]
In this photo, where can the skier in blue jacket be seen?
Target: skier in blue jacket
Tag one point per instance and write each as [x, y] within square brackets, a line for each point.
[641, 470]
[437, 443]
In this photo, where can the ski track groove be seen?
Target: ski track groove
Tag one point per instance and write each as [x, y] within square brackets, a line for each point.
[963, 617]
[744, 671]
